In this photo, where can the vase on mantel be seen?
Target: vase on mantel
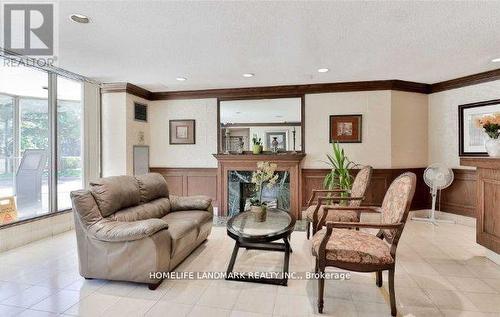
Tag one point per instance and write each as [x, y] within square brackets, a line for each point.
[493, 147]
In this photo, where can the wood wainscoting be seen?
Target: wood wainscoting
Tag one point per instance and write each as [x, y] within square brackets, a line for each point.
[381, 179]
[459, 198]
[190, 181]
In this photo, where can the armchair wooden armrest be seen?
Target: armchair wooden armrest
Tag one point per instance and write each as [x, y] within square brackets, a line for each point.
[337, 198]
[373, 209]
[333, 224]
[318, 191]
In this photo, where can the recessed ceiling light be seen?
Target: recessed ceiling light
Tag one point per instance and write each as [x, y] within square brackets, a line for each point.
[79, 18]
[496, 60]
[238, 112]
[248, 75]
[181, 78]
[323, 70]
[279, 116]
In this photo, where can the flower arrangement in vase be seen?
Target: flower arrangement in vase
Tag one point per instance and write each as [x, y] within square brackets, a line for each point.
[491, 126]
[264, 176]
[257, 144]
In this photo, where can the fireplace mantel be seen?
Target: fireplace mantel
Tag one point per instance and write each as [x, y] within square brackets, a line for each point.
[285, 157]
[248, 162]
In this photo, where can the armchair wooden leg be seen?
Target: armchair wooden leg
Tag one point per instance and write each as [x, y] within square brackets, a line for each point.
[308, 228]
[379, 278]
[321, 289]
[392, 294]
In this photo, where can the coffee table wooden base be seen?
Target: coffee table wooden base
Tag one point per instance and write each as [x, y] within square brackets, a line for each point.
[267, 246]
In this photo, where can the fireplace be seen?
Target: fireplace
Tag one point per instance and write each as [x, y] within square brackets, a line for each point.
[235, 174]
[241, 190]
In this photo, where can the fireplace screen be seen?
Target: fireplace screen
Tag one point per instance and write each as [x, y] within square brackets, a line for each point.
[241, 190]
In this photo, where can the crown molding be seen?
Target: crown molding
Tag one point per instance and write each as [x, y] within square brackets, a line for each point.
[295, 90]
[465, 81]
[128, 88]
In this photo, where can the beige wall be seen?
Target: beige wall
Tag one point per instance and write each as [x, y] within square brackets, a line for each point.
[409, 121]
[114, 134]
[394, 130]
[120, 132]
[162, 154]
[443, 119]
[375, 106]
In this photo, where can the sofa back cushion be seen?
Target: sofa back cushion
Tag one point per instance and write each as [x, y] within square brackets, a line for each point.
[154, 209]
[85, 207]
[114, 193]
[152, 186]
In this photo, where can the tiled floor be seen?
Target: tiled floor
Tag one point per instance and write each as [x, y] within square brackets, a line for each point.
[440, 272]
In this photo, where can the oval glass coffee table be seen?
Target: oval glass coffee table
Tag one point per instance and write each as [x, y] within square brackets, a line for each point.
[253, 235]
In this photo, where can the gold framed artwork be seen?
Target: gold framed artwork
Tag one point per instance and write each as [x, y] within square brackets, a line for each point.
[182, 131]
[345, 128]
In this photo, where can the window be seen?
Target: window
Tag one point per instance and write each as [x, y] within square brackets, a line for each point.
[69, 140]
[33, 136]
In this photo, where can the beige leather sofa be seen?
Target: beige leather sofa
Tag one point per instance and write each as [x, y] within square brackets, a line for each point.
[128, 227]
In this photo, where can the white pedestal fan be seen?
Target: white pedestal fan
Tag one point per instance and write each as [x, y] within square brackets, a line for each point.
[437, 177]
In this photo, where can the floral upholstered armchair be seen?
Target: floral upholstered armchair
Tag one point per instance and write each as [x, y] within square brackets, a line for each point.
[314, 214]
[339, 246]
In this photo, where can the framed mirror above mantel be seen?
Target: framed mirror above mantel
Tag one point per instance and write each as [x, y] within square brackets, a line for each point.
[279, 119]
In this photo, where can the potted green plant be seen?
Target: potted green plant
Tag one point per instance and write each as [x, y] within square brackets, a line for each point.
[257, 144]
[339, 176]
[264, 176]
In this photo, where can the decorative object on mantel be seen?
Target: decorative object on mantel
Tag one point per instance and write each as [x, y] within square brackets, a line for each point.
[274, 144]
[345, 128]
[339, 164]
[182, 131]
[478, 130]
[257, 144]
[264, 176]
[281, 140]
[491, 126]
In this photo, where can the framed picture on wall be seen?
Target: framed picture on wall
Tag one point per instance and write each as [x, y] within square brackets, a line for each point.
[280, 137]
[182, 131]
[345, 128]
[471, 138]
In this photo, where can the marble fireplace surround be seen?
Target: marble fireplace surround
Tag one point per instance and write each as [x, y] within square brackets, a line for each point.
[248, 162]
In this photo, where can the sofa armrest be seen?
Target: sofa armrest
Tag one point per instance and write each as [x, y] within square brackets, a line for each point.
[178, 203]
[121, 231]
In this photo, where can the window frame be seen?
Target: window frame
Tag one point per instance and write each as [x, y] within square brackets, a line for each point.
[53, 140]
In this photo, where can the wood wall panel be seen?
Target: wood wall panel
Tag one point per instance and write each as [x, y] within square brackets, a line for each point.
[381, 179]
[487, 200]
[190, 181]
[460, 197]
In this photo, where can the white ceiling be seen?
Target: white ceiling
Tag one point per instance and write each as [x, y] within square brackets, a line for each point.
[213, 43]
[261, 110]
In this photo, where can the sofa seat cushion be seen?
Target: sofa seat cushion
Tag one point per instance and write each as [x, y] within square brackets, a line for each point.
[114, 193]
[199, 217]
[183, 234]
[153, 209]
[353, 246]
[152, 186]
